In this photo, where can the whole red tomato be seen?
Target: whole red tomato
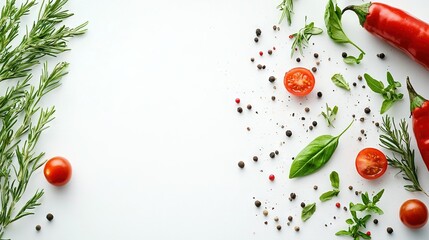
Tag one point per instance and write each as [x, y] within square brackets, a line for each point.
[413, 213]
[58, 171]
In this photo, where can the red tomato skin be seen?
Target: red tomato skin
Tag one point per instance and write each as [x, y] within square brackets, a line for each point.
[413, 213]
[309, 81]
[58, 171]
[365, 156]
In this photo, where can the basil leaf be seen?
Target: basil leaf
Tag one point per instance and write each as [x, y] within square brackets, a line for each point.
[353, 60]
[333, 23]
[376, 210]
[386, 105]
[308, 211]
[375, 85]
[329, 195]
[365, 198]
[378, 196]
[339, 81]
[390, 79]
[350, 221]
[335, 179]
[315, 155]
[343, 233]
[358, 207]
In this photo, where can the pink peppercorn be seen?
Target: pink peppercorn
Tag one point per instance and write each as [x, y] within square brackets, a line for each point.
[271, 177]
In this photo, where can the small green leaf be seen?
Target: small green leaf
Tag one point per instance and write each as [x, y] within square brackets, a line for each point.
[353, 60]
[308, 211]
[386, 105]
[358, 207]
[343, 233]
[377, 210]
[375, 85]
[329, 195]
[390, 79]
[365, 198]
[335, 179]
[350, 221]
[339, 81]
[378, 196]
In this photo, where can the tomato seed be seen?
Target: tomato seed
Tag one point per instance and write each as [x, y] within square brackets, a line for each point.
[272, 177]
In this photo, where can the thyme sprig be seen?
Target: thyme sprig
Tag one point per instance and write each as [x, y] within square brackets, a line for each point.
[397, 140]
[22, 120]
[302, 37]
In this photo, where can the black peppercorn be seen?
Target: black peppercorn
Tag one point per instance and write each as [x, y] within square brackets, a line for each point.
[307, 109]
[258, 203]
[381, 55]
[259, 66]
[271, 78]
[249, 106]
[279, 227]
[389, 230]
[375, 221]
[38, 227]
[367, 110]
[276, 152]
[270, 51]
[256, 39]
[273, 98]
[49, 216]
[292, 195]
[272, 155]
[274, 27]
[288, 133]
[344, 54]
[303, 204]
[298, 59]
[258, 32]
[255, 158]
[290, 218]
[241, 164]
[239, 109]
[314, 123]
[252, 59]
[319, 94]
[314, 69]
[316, 55]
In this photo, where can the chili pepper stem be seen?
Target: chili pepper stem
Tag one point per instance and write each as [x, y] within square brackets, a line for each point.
[360, 10]
[416, 100]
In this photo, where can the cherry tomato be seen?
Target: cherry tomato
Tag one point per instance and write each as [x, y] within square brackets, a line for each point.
[58, 171]
[299, 81]
[413, 213]
[371, 163]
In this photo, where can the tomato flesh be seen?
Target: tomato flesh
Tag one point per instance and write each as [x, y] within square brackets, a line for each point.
[58, 171]
[371, 163]
[299, 81]
[413, 213]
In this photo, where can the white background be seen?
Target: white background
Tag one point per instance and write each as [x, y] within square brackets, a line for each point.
[148, 120]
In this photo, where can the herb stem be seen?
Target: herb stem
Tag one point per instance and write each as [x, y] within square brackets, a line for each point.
[346, 128]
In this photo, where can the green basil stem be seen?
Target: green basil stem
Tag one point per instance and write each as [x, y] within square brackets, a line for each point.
[315, 155]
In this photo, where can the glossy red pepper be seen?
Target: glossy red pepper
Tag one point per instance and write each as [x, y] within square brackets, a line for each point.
[419, 107]
[396, 27]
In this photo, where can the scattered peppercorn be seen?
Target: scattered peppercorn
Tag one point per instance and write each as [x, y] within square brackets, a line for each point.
[263, 66]
[259, 66]
[345, 208]
[298, 59]
[276, 152]
[296, 228]
[319, 94]
[354, 84]
[276, 218]
[292, 195]
[261, 53]
[272, 177]
[258, 32]
[338, 205]
[350, 187]
[49, 216]
[288, 133]
[290, 218]
[303, 204]
[315, 187]
[344, 54]
[389, 230]
[367, 110]
[359, 139]
[258, 203]
[381, 55]
[377, 124]
[249, 106]
[274, 27]
[272, 155]
[256, 39]
[241, 164]
[359, 77]
[302, 118]
[362, 131]
[279, 227]
[270, 51]
[316, 55]
[307, 109]
[38, 227]
[362, 119]
[314, 123]
[265, 212]
[271, 78]
[375, 221]
[310, 127]
[314, 69]
[239, 109]
[273, 98]
[237, 100]
[252, 59]
[255, 158]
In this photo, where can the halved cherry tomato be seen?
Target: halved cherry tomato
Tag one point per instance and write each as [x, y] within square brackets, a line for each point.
[371, 163]
[58, 171]
[413, 213]
[299, 81]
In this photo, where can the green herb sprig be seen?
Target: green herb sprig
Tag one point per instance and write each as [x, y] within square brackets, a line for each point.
[302, 37]
[330, 115]
[389, 93]
[335, 30]
[23, 120]
[369, 205]
[396, 139]
[308, 211]
[286, 7]
[335, 183]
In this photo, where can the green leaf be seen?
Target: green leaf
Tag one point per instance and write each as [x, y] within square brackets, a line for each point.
[364, 235]
[375, 85]
[365, 198]
[386, 105]
[376, 210]
[390, 79]
[358, 207]
[302, 37]
[378, 196]
[343, 233]
[329, 195]
[353, 60]
[339, 81]
[308, 211]
[335, 179]
[350, 221]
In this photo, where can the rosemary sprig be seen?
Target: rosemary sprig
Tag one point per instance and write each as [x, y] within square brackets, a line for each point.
[286, 7]
[398, 141]
[22, 120]
[302, 37]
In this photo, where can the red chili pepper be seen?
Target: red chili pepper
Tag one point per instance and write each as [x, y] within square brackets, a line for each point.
[397, 27]
[419, 107]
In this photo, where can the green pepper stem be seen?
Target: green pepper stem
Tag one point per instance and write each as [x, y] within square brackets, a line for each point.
[361, 11]
[416, 100]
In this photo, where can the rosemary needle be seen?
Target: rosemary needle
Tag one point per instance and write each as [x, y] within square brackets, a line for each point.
[286, 7]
